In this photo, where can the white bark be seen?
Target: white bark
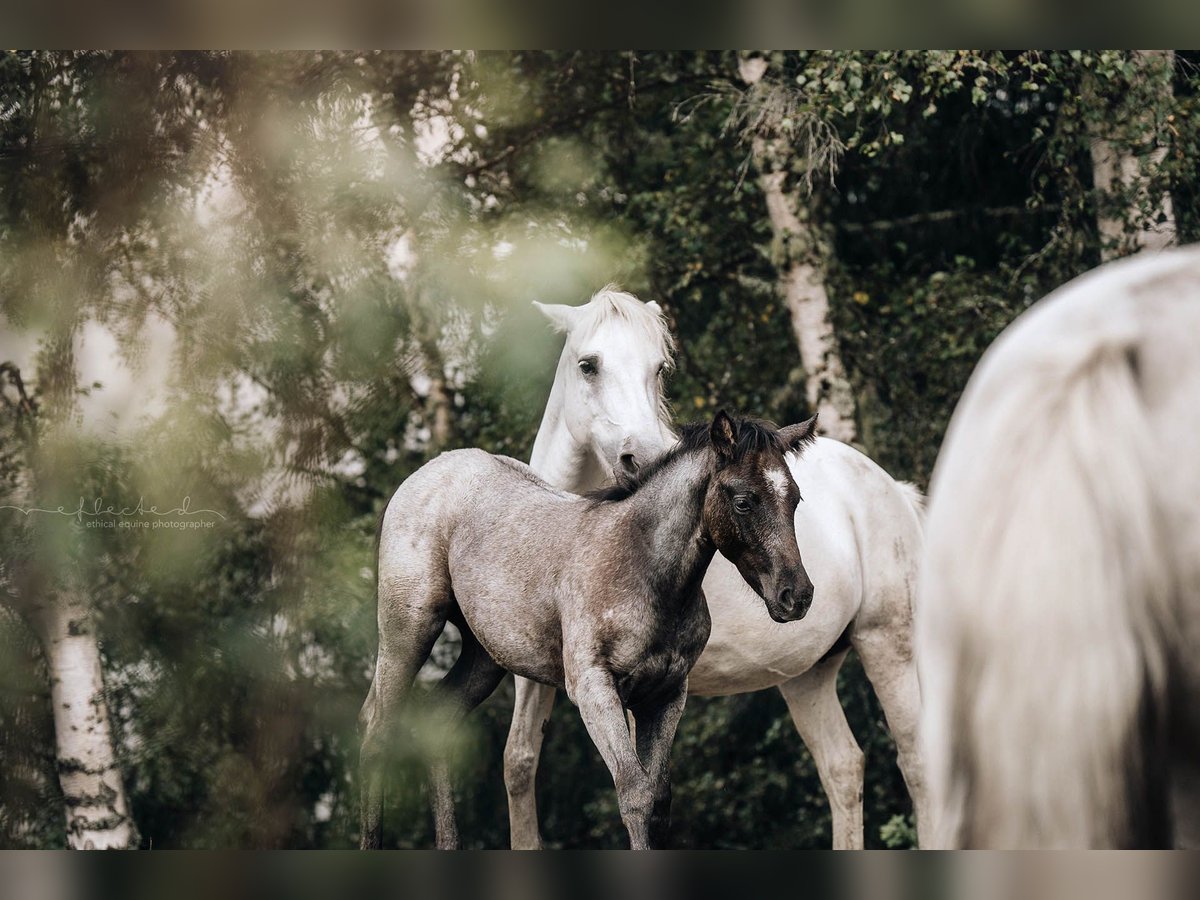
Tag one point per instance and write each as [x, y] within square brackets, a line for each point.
[95, 803]
[439, 404]
[800, 252]
[1118, 169]
[97, 810]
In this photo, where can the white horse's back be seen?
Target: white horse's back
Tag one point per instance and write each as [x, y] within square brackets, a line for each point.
[1062, 567]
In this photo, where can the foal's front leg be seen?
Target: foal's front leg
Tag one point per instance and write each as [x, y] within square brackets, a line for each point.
[655, 733]
[604, 716]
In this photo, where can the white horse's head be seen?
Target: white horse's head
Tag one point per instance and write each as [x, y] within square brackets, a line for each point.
[610, 377]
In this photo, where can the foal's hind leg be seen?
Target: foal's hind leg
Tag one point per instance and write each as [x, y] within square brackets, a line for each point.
[410, 621]
[653, 735]
[370, 772]
[471, 680]
[812, 700]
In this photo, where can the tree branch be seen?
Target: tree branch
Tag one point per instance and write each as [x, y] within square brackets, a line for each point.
[943, 215]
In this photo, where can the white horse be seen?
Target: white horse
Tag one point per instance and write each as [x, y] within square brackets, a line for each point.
[1059, 613]
[858, 530]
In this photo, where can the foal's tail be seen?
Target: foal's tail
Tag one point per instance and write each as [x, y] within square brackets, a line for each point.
[370, 765]
[1045, 599]
[364, 714]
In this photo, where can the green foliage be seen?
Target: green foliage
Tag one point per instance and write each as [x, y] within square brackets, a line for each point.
[346, 246]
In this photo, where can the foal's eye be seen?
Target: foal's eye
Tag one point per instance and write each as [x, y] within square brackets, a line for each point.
[588, 367]
[741, 505]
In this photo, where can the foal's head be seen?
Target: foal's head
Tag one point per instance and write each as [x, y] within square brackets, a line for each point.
[610, 374]
[750, 509]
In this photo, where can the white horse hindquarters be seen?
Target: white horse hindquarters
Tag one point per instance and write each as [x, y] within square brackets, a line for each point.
[1019, 709]
[871, 524]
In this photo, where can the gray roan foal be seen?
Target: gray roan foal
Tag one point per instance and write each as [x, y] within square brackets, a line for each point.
[599, 595]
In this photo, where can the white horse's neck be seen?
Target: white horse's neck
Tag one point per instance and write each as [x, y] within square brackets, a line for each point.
[557, 457]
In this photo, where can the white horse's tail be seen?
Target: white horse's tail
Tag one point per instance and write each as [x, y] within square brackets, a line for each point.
[1046, 599]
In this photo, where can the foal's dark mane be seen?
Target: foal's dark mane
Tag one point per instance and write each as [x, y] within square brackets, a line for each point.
[750, 436]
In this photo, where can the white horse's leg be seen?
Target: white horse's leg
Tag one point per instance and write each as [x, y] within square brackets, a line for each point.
[812, 700]
[887, 659]
[531, 712]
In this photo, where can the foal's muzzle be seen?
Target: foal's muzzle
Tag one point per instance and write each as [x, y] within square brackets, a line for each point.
[791, 602]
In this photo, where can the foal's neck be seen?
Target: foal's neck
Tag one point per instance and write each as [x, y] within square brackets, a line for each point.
[669, 507]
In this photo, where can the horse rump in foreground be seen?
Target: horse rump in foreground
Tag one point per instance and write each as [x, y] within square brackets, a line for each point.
[599, 595]
[1059, 619]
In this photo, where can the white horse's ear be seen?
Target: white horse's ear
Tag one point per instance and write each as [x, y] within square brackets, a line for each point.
[561, 317]
[653, 306]
[797, 437]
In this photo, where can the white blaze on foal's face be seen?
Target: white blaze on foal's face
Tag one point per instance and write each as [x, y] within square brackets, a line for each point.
[778, 479]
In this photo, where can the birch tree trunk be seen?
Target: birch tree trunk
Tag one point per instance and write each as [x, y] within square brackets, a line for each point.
[46, 589]
[440, 402]
[801, 253]
[1125, 148]
[97, 811]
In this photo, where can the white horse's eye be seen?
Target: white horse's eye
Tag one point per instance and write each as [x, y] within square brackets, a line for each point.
[588, 367]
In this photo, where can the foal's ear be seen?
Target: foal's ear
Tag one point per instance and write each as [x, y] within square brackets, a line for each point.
[653, 306]
[561, 317]
[797, 437]
[723, 433]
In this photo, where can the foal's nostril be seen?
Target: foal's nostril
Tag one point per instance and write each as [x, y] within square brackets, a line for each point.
[785, 598]
[629, 463]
